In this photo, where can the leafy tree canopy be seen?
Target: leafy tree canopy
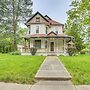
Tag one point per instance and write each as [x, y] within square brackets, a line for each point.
[78, 23]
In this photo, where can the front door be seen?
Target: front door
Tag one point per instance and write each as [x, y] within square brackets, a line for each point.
[52, 46]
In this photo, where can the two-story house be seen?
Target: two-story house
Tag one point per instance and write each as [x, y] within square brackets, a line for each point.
[46, 35]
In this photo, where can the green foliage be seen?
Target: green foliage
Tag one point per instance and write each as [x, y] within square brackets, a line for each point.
[79, 68]
[15, 53]
[6, 45]
[12, 12]
[86, 50]
[78, 23]
[82, 52]
[33, 50]
[71, 51]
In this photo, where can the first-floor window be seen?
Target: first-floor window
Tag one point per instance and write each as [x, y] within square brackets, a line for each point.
[37, 43]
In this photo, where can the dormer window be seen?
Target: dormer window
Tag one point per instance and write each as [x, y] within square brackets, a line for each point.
[37, 29]
[37, 19]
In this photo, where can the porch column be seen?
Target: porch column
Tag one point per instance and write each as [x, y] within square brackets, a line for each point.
[29, 43]
[57, 45]
[46, 45]
[64, 41]
[33, 42]
[25, 44]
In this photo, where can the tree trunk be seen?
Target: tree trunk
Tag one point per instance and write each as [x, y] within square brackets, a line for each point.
[14, 28]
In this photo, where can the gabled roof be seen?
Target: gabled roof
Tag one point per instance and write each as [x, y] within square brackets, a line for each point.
[46, 18]
[51, 34]
[35, 15]
[54, 22]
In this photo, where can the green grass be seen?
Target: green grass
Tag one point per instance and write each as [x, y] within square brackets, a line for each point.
[79, 68]
[19, 69]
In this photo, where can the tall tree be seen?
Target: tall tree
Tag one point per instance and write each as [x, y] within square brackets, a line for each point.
[78, 21]
[12, 12]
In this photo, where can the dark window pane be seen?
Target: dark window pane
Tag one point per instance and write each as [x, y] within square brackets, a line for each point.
[46, 44]
[37, 43]
[46, 29]
[56, 32]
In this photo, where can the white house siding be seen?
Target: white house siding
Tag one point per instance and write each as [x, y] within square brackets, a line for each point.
[54, 28]
[41, 28]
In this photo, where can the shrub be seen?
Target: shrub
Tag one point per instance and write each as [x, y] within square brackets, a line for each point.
[85, 51]
[15, 53]
[33, 50]
[82, 52]
[71, 50]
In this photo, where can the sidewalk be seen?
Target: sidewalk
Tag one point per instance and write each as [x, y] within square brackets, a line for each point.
[13, 86]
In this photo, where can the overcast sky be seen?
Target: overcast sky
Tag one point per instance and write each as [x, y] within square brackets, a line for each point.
[56, 9]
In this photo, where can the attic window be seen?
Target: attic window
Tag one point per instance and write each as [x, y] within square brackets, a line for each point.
[37, 19]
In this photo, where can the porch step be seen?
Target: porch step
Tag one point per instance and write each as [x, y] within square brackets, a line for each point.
[53, 85]
[52, 54]
[52, 75]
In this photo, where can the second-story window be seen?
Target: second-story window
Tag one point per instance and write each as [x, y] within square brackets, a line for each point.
[56, 31]
[37, 29]
[46, 30]
[37, 19]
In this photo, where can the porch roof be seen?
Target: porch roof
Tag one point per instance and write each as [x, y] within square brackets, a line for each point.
[47, 36]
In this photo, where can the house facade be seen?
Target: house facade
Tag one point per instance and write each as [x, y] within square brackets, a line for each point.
[47, 35]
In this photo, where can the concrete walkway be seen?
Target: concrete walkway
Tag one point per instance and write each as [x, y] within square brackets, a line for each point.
[52, 69]
[52, 75]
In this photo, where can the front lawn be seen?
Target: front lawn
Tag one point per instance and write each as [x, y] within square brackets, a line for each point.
[19, 69]
[79, 68]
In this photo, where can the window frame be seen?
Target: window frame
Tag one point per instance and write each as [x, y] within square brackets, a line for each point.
[37, 29]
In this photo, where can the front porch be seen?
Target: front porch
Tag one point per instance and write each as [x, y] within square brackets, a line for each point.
[46, 45]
